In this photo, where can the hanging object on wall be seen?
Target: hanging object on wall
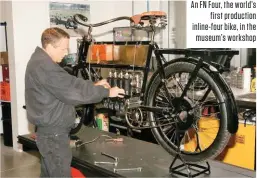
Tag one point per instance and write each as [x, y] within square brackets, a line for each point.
[61, 15]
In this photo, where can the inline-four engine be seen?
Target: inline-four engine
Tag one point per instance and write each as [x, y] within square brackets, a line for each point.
[130, 81]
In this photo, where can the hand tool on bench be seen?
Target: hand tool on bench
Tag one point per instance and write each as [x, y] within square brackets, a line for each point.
[102, 162]
[128, 169]
[116, 159]
[114, 139]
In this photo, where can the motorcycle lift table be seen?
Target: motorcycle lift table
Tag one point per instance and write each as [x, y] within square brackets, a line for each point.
[132, 153]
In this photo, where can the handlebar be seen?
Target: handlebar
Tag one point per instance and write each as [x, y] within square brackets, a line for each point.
[83, 18]
[149, 21]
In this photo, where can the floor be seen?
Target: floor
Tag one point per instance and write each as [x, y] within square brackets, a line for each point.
[19, 164]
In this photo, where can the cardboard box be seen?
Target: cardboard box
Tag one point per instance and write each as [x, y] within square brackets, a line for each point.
[240, 150]
[4, 57]
[5, 91]
[5, 72]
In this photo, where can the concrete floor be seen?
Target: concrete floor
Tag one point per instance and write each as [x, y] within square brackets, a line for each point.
[19, 164]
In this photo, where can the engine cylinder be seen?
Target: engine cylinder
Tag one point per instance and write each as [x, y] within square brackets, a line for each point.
[120, 80]
[115, 79]
[110, 78]
[130, 81]
[127, 86]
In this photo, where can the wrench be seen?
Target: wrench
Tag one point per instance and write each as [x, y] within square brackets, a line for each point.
[114, 139]
[113, 163]
[110, 156]
[128, 169]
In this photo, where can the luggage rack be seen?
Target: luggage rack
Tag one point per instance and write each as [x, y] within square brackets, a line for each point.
[116, 66]
[205, 52]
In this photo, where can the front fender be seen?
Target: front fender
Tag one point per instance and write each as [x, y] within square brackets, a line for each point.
[229, 97]
[89, 114]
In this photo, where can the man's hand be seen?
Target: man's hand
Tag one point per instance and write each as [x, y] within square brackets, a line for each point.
[103, 83]
[116, 92]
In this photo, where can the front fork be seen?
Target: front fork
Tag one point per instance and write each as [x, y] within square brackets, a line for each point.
[86, 72]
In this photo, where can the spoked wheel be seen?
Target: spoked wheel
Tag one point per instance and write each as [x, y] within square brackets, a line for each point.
[201, 116]
[79, 120]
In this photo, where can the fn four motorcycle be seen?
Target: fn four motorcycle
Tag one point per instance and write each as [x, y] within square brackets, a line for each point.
[185, 102]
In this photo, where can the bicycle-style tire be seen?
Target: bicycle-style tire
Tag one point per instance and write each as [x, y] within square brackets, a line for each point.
[223, 135]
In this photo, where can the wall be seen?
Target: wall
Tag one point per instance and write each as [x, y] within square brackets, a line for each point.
[241, 59]
[179, 8]
[2, 12]
[2, 43]
[105, 10]
[180, 24]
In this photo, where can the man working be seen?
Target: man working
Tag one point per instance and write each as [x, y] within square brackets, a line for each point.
[51, 94]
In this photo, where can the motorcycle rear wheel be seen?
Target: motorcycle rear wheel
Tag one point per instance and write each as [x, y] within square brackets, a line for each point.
[161, 133]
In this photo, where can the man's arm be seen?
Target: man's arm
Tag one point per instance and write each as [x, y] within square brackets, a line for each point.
[70, 89]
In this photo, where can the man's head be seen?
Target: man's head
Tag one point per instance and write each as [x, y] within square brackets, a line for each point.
[55, 42]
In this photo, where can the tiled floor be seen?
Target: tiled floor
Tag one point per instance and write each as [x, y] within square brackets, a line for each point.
[16, 164]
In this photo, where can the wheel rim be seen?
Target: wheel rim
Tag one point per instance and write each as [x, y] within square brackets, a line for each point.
[192, 133]
[77, 123]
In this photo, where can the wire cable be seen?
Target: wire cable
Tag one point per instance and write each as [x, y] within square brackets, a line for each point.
[94, 140]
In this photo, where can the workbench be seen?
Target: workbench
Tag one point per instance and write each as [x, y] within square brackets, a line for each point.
[153, 159]
[244, 99]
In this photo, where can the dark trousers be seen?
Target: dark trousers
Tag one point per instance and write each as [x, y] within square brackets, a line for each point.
[56, 155]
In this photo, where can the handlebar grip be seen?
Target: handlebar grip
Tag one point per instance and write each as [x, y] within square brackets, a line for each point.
[76, 18]
[81, 17]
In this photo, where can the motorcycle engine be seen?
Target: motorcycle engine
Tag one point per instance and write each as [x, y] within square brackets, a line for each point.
[130, 81]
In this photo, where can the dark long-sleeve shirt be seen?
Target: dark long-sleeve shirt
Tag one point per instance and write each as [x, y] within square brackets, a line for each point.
[51, 94]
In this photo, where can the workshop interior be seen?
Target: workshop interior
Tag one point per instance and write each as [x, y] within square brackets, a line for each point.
[186, 112]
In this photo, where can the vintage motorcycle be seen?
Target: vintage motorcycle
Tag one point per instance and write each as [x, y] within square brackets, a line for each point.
[173, 101]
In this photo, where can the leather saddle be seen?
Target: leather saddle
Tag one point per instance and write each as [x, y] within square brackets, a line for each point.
[146, 17]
